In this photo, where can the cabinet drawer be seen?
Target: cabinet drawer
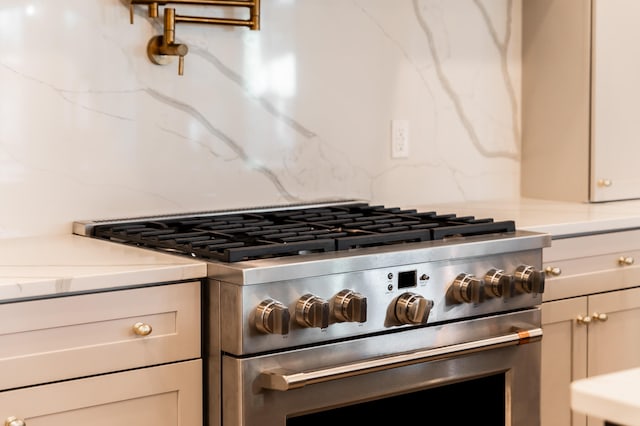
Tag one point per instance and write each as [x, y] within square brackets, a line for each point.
[167, 395]
[60, 338]
[592, 264]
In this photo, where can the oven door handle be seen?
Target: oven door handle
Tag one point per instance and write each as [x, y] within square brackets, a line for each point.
[283, 380]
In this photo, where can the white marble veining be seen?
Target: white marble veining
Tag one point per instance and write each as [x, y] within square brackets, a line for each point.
[61, 264]
[298, 111]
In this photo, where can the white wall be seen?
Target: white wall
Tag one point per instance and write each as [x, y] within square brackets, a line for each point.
[298, 111]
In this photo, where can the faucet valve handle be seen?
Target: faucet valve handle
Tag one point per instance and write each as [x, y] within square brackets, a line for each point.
[160, 53]
[181, 65]
[180, 51]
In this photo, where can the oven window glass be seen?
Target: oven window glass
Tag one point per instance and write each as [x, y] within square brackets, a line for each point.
[477, 401]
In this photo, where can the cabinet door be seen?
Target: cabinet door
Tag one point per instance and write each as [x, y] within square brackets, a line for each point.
[592, 264]
[613, 339]
[564, 350]
[167, 395]
[614, 343]
[616, 90]
[76, 336]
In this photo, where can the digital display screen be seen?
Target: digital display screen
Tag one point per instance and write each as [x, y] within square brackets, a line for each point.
[407, 279]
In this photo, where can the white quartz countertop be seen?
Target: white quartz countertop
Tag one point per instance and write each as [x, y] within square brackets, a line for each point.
[553, 217]
[52, 265]
[614, 397]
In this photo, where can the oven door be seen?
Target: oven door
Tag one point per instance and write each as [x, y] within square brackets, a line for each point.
[482, 371]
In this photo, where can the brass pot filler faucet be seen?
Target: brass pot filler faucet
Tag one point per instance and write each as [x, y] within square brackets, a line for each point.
[161, 48]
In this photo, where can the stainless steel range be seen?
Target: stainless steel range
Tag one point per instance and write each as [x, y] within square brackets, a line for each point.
[344, 312]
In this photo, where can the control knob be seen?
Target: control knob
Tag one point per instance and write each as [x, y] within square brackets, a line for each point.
[529, 280]
[412, 308]
[349, 306]
[467, 289]
[312, 311]
[272, 317]
[497, 283]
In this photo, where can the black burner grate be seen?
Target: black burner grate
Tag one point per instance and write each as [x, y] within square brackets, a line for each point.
[244, 236]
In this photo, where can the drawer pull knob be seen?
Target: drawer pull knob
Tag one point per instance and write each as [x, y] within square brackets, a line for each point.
[626, 260]
[599, 317]
[14, 421]
[583, 320]
[142, 329]
[605, 183]
[553, 270]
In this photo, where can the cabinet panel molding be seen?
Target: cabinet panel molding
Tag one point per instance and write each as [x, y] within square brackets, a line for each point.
[167, 395]
[564, 350]
[55, 339]
[591, 264]
[556, 57]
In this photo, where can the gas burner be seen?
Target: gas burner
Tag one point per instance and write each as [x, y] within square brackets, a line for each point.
[240, 236]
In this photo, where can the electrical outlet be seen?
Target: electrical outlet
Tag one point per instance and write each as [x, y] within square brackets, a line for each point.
[399, 138]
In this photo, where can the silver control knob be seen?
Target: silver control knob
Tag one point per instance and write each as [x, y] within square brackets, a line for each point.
[412, 308]
[497, 283]
[272, 317]
[349, 306]
[529, 280]
[467, 289]
[312, 311]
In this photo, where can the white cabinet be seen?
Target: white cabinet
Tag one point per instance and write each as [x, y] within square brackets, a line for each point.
[580, 97]
[590, 316]
[167, 395]
[564, 359]
[131, 356]
[592, 264]
[585, 336]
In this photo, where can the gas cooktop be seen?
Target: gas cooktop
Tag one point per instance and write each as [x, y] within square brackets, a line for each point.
[286, 231]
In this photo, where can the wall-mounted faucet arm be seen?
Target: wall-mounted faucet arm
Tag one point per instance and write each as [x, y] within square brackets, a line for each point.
[254, 10]
[161, 48]
[252, 23]
[233, 3]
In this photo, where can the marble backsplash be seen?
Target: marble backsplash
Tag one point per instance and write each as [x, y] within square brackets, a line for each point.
[298, 111]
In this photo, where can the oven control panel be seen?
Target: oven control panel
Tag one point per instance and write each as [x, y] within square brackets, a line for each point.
[291, 313]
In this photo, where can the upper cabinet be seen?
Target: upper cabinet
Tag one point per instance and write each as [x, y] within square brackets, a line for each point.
[581, 100]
